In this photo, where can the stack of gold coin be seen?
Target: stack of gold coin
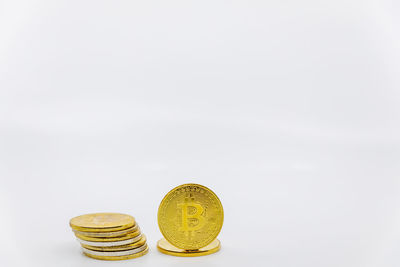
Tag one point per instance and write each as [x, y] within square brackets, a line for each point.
[190, 218]
[109, 236]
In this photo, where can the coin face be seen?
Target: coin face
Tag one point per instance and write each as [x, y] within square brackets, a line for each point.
[190, 216]
[102, 222]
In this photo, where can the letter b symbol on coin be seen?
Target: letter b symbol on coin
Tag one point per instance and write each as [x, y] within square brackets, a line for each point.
[189, 217]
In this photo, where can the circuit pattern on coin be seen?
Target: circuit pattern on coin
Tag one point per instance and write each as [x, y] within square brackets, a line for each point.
[190, 216]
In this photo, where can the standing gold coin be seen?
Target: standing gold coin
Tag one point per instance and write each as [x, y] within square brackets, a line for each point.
[190, 216]
[165, 247]
[102, 222]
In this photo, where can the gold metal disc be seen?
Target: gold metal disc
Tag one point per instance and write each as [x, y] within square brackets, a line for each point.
[108, 239]
[111, 244]
[137, 244]
[102, 222]
[115, 258]
[165, 247]
[108, 234]
[190, 216]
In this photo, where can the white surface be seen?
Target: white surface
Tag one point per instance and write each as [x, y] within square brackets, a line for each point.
[288, 110]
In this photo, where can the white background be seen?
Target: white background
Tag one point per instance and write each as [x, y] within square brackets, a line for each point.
[288, 110]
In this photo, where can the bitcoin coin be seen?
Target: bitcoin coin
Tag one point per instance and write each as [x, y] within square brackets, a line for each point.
[108, 239]
[119, 255]
[102, 222]
[108, 234]
[165, 247]
[190, 216]
[137, 244]
[109, 243]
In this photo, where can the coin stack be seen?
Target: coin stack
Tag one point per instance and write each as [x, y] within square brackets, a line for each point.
[109, 236]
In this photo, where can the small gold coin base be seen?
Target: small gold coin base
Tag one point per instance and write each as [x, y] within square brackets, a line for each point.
[167, 248]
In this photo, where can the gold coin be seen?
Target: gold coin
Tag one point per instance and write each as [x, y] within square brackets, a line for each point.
[102, 222]
[137, 244]
[115, 258]
[190, 216]
[108, 234]
[165, 247]
[108, 239]
[111, 244]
